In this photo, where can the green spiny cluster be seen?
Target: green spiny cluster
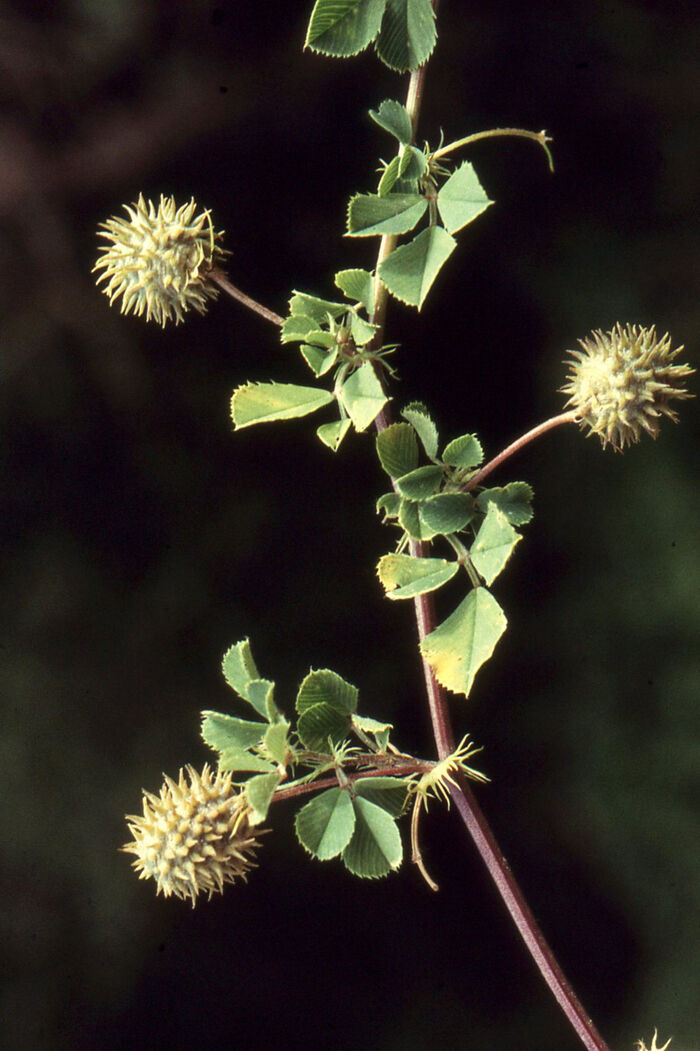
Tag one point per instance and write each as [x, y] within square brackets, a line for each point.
[622, 382]
[159, 259]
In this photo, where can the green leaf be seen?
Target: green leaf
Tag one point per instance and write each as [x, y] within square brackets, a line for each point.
[325, 686]
[403, 576]
[513, 499]
[397, 213]
[458, 647]
[389, 793]
[397, 449]
[357, 285]
[464, 451]
[362, 396]
[389, 176]
[276, 741]
[447, 512]
[221, 731]
[312, 306]
[409, 271]
[375, 848]
[493, 545]
[412, 163]
[362, 331]
[342, 28]
[388, 503]
[239, 667]
[409, 520]
[239, 760]
[259, 693]
[419, 418]
[407, 36]
[421, 483]
[332, 434]
[296, 326]
[461, 198]
[394, 118]
[262, 402]
[318, 360]
[324, 826]
[320, 724]
[380, 731]
[259, 791]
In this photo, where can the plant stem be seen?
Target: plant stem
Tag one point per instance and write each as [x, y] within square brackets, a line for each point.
[468, 809]
[539, 137]
[219, 278]
[389, 770]
[520, 443]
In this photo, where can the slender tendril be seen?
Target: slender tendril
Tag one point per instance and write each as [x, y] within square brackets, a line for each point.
[540, 137]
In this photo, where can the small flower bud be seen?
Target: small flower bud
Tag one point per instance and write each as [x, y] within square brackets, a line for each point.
[158, 260]
[193, 837]
[622, 381]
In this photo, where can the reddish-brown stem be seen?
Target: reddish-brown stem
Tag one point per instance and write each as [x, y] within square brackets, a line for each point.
[520, 443]
[389, 770]
[466, 804]
[219, 278]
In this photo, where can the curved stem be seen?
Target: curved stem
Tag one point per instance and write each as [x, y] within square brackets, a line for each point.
[471, 815]
[540, 137]
[520, 443]
[219, 278]
[388, 770]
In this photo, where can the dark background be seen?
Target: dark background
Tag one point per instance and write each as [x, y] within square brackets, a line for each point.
[141, 536]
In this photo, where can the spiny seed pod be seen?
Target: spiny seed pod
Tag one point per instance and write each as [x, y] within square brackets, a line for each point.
[159, 259]
[622, 381]
[193, 837]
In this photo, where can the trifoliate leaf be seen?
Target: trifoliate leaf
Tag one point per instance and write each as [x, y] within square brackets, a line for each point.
[263, 402]
[375, 848]
[332, 434]
[358, 285]
[419, 418]
[389, 504]
[325, 686]
[447, 513]
[243, 762]
[221, 731]
[409, 271]
[464, 451]
[394, 118]
[312, 306]
[321, 726]
[259, 791]
[324, 826]
[461, 198]
[493, 545]
[513, 499]
[420, 483]
[276, 741]
[389, 793]
[362, 396]
[397, 449]
[259, 693]
[370, 215]
[458, 647]
[403, 576]
[342, 28]
[407, 36]
[295, 327]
